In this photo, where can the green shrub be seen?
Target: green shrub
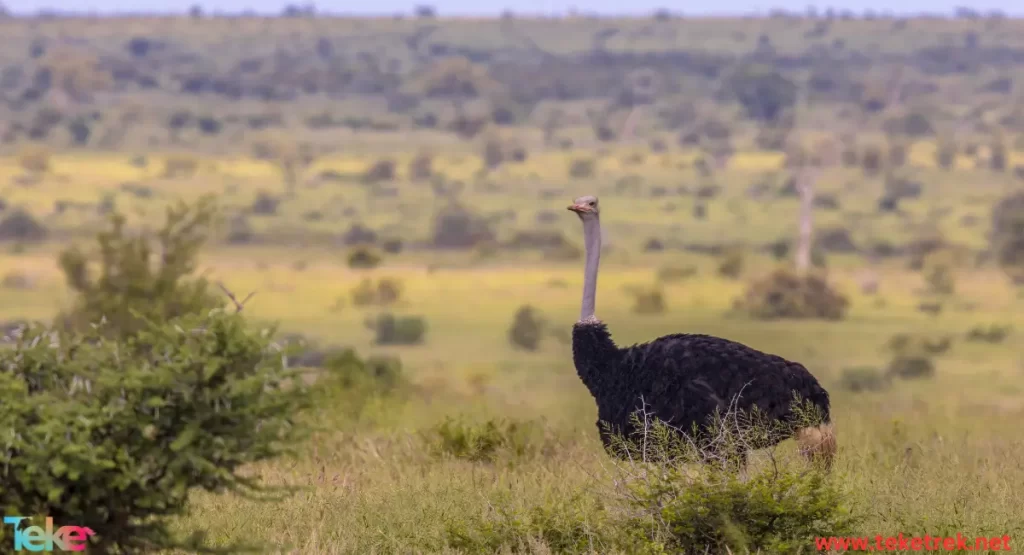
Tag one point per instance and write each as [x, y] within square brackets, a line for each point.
[347, 371]
[911, 367]
[399, 330]
[993, 333]
[582, 168]
[648, 301]
[784, 294]
[527, 329]
[669, 274]
[482, 441]
[19, 225]
[384, 292]
[771, 507]
[575, 524]
[363, 257]
[708, 510]
[116, 433]
[913, 345]
[938, 268]
[731, 263]
[129, 289]
[863, 379]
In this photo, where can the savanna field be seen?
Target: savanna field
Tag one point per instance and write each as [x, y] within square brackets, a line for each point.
[446, 249]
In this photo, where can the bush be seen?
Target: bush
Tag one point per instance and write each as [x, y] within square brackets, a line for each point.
[456, 227]
[784, 294]
[386, 291]
[911, 367]
[582, 168]
[648, 300]
[572, 524]
[872, 160]
[939, 272]
[672, 507]
[670, 274]
[989, 334]
[35, 159]
[421, 167]
[527, 329]
[915, 345]
[1007, 237]
[19, 225]
[382, 170]
[863, 379]
[265, 204]
[180, 165]
[481, 442]
[376, 375]
[399, 330]
[363, 257]
[116, 434]
[731, 263]
[129, 289]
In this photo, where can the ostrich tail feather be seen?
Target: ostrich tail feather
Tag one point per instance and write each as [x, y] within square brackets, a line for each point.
[818, 443]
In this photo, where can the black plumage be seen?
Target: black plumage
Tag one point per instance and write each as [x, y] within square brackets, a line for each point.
[685, 380]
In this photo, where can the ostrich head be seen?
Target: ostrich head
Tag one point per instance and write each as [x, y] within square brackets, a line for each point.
[586, 207]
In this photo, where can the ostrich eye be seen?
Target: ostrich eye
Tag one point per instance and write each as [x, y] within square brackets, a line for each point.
[592, 203]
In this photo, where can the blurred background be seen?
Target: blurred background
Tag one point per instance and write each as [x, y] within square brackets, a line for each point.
[841, 185]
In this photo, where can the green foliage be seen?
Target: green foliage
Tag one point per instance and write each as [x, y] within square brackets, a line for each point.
[774, 507]
[575, 524]
[784, 294]
[939, 272]
[993, 333]
[918, 344]
[115, 433]
[20, 225]
[672, 274]
[363, 257]
[683, 510]
[863, 379]
[346, 370]
[731, 263]
[1008, 235]
[482, 441]
[582, 168]
[384, 292]
[399, 330]
[648, 300]
[911, 367]
[129, 289]
[527, 329]
[668, 506]
[764, 93]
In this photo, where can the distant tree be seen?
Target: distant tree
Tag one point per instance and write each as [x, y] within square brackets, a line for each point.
[130, 291]
[1008, 235]
[763, 92]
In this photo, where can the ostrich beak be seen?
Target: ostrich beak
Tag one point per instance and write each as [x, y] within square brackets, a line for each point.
[578, 208]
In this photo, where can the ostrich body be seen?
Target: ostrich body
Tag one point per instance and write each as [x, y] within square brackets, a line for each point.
[684, 379]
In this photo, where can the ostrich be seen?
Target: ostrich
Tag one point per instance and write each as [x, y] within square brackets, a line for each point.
[684, 379]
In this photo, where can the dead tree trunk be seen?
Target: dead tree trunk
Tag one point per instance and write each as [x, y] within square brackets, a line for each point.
[805, 187]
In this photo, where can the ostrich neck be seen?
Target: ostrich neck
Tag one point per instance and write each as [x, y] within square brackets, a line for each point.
[592, 245]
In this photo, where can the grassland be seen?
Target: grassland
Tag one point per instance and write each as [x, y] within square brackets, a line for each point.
[934, 456]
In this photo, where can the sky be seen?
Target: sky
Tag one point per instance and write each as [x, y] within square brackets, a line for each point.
[495, 7]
